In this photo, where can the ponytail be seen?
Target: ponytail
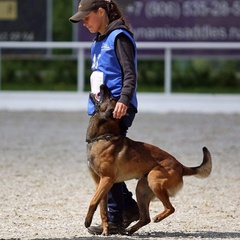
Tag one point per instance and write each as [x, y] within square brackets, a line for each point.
[114, 12]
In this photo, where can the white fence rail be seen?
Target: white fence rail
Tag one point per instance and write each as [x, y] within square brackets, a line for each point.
[81, 46]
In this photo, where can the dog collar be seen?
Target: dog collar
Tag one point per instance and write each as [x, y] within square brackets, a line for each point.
[106, 137]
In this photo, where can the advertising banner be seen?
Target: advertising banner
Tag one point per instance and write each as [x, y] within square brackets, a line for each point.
[186, 21]
[180, 20]
[23, 20]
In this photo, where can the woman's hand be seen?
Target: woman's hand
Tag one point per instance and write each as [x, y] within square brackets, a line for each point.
[120, 110]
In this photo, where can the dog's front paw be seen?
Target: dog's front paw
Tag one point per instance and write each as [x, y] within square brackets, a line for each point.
[105, 233]
[87, 223]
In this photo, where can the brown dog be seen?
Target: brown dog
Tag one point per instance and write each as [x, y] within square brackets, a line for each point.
[113, 158]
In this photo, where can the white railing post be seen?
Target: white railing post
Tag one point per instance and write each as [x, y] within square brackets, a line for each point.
[167, 71]
[80, 69]
[0, 69]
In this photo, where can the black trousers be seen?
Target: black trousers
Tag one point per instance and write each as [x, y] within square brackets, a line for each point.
[119, 197]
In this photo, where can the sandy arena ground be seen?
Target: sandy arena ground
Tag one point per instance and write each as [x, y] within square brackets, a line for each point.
[45, 186]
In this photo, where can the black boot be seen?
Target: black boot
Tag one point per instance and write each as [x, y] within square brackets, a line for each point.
[130, 215]
[113, 228]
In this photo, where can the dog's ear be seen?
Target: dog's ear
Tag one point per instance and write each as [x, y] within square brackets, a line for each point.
[109, 113]
[92, 98]
[94, 101]
[104, 92]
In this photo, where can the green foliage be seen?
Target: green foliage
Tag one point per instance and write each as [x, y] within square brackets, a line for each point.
[192, 75]
[39, 75]
[150, 75]
[204, 75]
[62, 27]
[199, 75]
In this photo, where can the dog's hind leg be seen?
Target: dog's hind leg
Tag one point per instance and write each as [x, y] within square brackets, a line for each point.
[158, 182]
[144, 196]
[168, 208]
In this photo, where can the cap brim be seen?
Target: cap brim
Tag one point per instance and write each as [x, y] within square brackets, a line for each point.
[78, 16]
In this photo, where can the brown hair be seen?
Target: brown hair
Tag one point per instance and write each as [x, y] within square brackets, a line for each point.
[114, 12]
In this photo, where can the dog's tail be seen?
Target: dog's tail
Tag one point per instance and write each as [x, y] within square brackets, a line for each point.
[204, 169]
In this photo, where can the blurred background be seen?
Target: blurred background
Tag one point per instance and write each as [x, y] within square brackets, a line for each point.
[193, 70]
[188, 63]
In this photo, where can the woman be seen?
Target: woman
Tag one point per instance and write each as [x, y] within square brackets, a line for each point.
[114, 62]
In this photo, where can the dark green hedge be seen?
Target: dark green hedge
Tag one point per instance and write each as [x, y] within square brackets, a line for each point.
[209, 76]
[198, 75]
[201, 75]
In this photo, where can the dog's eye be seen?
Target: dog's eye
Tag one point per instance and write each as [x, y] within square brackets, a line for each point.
[109, 112]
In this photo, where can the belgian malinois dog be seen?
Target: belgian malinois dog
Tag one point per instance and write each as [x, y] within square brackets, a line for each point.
[114, 158]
